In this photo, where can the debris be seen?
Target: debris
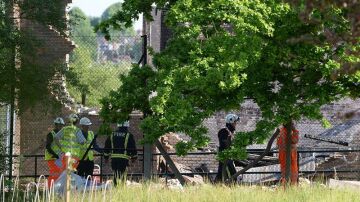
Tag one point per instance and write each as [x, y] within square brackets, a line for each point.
[196, 180]
[174, 184]
[343, 184]
[303, 182]
[182, 168]
[132, 184]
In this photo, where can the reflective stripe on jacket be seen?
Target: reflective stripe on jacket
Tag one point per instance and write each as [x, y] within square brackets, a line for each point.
[117, 155]
[85, 146]
[69, 141]
[54, 147]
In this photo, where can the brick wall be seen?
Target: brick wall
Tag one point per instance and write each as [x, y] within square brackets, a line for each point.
[33, 125]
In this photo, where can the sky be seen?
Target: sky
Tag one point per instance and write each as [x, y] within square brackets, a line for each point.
[97, 7]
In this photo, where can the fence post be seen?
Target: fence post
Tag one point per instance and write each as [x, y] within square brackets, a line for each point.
[147, 149]
[36, 166]
[147, 161]
[11, 139]
[68, 177]
[166, 172]
[144, 56]
[101, 167]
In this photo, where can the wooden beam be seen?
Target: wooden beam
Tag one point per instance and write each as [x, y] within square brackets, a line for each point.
[170, 162]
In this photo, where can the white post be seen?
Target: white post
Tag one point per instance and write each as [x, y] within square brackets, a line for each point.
[68, 177]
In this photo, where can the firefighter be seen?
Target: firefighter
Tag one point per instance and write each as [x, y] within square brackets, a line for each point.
[120, 146]
[226, 136]
[70, 139]
[52, 150]
[281, 143]
[86, 163]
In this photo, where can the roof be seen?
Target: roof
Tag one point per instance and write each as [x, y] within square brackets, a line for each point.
[348, 131]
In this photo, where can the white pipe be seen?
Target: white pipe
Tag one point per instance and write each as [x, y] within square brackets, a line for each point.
[88, 179]
[105, 189]
[2, 184]
[28, 186]
[16, 187]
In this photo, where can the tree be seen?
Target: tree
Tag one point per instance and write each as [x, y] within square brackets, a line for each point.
[28, 82]
[351, 13]
[25, 80]
[132, 9]
[112, 10]
[80, 27]
[89, 78]
[94, 21]
[224, 51]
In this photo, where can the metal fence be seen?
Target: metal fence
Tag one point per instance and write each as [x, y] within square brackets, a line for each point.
[4, 134]
[345, 170]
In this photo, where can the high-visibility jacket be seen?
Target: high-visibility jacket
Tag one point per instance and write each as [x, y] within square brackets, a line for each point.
[114, 154]
[69, 141]
[85, 146]
[120, 145]
[54, 147]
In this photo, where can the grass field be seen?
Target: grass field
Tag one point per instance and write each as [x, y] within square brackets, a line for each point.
[205, 193]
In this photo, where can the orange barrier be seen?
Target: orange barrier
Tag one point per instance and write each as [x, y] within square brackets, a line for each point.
[56, 170]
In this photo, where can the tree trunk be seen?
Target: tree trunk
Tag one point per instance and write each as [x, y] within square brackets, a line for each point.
[288, 162]
[83, 98]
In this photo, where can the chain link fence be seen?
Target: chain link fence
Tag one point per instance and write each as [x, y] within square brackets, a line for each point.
[4, 132]
[95, 66]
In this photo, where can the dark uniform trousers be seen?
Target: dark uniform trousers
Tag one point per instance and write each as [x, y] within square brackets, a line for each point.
[118, 166]
[225, 172]
[85, 168]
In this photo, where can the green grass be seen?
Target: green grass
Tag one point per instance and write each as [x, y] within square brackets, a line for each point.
[206, 193]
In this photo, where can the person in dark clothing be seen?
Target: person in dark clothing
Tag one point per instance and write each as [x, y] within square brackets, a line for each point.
[226, 136]
[86, 163]
[120, 147]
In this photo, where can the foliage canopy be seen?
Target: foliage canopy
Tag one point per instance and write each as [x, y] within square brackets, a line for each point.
[89, 76]
[22, 78]
[224, 51]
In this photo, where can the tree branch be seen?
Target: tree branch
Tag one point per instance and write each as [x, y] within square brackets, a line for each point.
[252, 164]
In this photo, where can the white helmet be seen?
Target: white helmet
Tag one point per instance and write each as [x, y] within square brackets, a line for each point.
[59, 120]
[85, 121]
[73, 117]
[231, 118]
[124, 124]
